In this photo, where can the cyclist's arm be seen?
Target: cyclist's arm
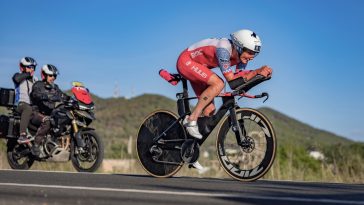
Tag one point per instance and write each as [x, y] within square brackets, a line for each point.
[61, 94]
[223, 57]
[20, 77]
[38, 94]
[234, 79]
[240, 66]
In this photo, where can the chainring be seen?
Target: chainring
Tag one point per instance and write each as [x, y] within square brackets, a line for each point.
[190, 151]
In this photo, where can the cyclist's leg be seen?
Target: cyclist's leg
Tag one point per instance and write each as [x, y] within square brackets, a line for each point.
[199, 88]
[45, 125]
[26, 111]
[206, 90]
[209, 109]
[214, 87]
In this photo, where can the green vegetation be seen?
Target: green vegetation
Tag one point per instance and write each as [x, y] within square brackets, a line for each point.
[343, 158]
[118, 121]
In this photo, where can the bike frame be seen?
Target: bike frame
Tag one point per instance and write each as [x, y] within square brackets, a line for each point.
[207, 124]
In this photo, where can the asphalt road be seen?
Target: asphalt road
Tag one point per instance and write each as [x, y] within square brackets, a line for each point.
[36, 187]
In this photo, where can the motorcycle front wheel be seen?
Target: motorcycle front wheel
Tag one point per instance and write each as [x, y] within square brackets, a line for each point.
[90, 157]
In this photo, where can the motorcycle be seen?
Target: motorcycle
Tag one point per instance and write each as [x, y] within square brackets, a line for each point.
[70, 137]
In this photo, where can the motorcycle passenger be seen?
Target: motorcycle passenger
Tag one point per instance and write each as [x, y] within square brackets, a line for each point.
[195, 62]
[23, 82]
[45, 94]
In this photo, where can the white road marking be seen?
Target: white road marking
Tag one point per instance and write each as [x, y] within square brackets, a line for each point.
[182, 193]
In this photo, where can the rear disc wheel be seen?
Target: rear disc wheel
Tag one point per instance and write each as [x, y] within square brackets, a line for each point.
[156, 159]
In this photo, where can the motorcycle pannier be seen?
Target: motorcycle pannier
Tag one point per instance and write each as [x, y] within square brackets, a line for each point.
[9, 127]
[7, 97]
[4, 126]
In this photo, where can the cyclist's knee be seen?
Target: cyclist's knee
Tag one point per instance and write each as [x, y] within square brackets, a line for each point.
[216, 82]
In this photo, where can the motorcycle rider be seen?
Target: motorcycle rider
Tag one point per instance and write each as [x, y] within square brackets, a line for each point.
[23, 82]
[195, 62]
[45, 94]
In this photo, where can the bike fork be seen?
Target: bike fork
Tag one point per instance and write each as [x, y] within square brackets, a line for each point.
[239, 133]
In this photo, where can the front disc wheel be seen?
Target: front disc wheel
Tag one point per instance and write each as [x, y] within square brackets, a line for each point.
[253, 156]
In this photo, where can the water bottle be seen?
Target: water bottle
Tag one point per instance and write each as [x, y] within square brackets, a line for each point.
[168, 77]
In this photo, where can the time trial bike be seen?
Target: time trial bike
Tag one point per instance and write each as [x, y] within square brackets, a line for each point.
[246, 142]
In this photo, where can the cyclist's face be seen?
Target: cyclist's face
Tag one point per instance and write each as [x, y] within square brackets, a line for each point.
[29, 69]
[51, 78]
[247, 56]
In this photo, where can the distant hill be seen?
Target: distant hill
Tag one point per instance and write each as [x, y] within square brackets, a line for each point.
[289, 130]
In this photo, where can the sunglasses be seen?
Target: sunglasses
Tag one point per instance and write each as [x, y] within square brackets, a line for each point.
[30, 67]
[55, 76]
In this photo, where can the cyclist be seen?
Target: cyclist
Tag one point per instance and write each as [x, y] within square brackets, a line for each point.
[23, 82]
[45, 94]
[195, 62]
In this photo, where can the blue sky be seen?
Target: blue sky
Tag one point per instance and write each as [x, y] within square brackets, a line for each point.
[314, 47]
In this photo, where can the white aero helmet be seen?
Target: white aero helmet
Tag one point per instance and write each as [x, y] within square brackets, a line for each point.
[49, 69]
[246, 39]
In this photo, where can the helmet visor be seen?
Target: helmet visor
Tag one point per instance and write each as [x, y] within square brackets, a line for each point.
[250, 51]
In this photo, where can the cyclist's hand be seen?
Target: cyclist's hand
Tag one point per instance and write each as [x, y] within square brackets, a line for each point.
[265, 71]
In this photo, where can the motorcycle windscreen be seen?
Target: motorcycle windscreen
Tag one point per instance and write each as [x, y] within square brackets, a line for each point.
[82, 94]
